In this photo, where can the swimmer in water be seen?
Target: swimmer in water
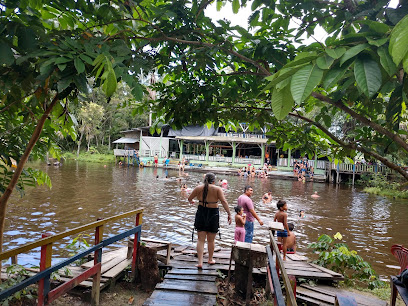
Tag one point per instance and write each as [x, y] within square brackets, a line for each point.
[315, 195]
[302, 214]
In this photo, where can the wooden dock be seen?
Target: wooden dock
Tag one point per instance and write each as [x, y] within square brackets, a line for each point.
[184, 284]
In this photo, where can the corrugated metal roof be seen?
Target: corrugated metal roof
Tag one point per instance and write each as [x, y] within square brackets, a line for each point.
[224, 139]
[126, 140]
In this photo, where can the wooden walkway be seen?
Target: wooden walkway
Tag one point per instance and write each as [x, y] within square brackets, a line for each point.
[184, 284]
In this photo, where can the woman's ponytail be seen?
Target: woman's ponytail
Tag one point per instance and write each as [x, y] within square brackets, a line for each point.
[208, 179]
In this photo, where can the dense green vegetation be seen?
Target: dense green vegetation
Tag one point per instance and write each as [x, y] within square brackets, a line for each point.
[336, 255]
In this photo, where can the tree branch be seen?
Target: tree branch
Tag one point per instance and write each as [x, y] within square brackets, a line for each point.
[361, 149]
[260, 67]
[363, 120]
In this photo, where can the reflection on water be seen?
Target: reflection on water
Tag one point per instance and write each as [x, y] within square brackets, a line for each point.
[82, 193]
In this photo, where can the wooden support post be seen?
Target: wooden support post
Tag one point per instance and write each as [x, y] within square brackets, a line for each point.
[135, 247]
[292, 280]
[354, 173]
[96, 283]
[229, 268]
[45, 262]
[14, 260]
[249, 283]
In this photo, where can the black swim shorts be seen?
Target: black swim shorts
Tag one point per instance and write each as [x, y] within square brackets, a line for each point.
[207, 219]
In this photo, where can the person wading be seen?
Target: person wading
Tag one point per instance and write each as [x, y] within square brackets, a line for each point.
[207, 216]
[244, 200]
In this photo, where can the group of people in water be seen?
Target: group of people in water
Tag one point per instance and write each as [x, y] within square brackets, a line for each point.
[206, 221]
[303, 170]
[251, 171]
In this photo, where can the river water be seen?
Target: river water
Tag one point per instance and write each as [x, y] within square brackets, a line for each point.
[83, 192]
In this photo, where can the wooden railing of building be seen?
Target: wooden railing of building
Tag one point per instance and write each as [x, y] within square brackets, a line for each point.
[273, 275]
[45, 295]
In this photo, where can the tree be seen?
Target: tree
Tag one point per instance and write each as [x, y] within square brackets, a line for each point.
[222, 74]
[90, 115]
[48, 52]
[213, 72]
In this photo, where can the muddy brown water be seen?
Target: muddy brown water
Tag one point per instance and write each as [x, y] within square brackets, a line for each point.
[83, 192]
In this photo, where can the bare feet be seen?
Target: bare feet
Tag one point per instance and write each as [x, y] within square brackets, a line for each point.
[284, 258]
[211, 262]
[199, 267]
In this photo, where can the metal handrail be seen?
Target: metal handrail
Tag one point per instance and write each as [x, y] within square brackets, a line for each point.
[290, 297]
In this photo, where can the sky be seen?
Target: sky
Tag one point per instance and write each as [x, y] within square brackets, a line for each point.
[241, 18]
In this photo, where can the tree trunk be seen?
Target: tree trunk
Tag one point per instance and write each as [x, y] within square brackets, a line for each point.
[33, 140]
[89, 142]
[79, 143]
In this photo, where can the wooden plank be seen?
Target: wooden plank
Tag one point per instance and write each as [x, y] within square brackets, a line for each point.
[360, 298]
[193, 272]
[315, 295]
[166, 297]
[311, 301]
[186, 285]
[296, 257]
[327, 270]
[117, 269]
[206, 278]
[108, 256]
[183, 265]
[308, 274]
[276, 226]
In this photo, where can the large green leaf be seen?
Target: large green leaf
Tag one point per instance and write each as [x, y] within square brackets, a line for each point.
[378, 27]
[281, 75]
[324, 62]
[386, 61]
[79, 65]
[335, 53]
[333, 76]
[304, 81]
[352, 52]
[399, 41]
[109, 86]
[235, 6]
[368, 76]
[6, 55]
[282, 103]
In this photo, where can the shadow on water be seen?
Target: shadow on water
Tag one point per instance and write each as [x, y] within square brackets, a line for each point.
[82, 192]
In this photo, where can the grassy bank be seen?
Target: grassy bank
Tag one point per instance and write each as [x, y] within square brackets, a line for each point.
[90, 157]
[387, 192]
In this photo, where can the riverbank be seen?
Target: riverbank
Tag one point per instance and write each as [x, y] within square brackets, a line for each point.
[387, 192]
[90, 157]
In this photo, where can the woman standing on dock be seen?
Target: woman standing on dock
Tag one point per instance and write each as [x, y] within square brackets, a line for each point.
[207, 217]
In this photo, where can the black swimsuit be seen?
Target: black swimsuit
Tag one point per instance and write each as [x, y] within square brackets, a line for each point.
[207, 219]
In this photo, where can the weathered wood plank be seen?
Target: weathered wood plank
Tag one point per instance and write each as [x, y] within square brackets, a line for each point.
[326, 270]
[315, 295]
[117, 269]
[308, 274]
[186, 285]
[311, 301]
[193, 272]
[296, 257]
[360, 298]
[206, 278]
[166, 297]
